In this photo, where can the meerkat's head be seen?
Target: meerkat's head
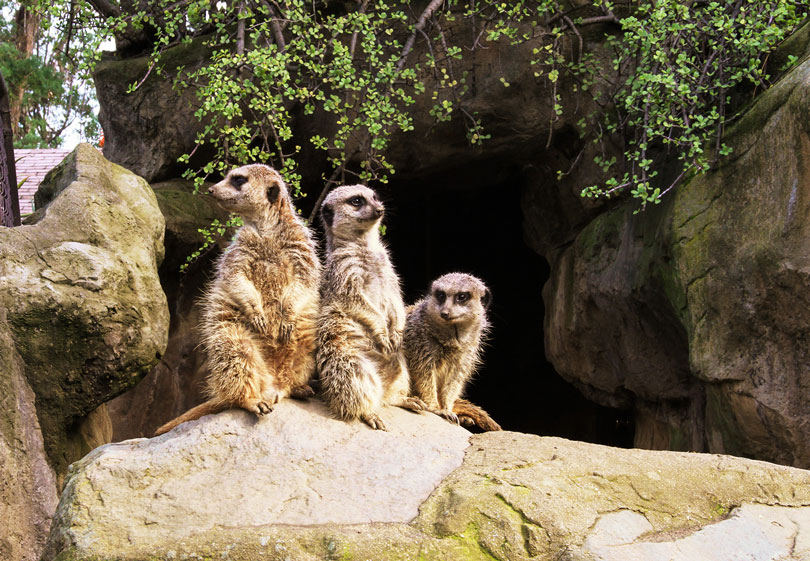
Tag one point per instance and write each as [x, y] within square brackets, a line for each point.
[254, 192]
[350, 212]
[458, 299]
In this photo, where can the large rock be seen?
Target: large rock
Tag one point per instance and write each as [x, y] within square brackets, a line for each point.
[177, 382]
[696, 314]
[80, 288]
[300, 485]
[27, 483]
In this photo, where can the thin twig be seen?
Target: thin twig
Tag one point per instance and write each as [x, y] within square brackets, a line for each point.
[325, 191]
[353, 42]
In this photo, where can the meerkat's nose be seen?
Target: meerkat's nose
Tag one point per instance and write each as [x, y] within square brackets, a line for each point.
[211, 190]
[378, 211]
[445, 314]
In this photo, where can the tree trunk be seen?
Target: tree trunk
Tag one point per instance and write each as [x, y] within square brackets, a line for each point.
[26, 26]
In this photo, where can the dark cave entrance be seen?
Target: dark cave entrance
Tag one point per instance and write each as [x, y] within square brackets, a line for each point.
[470, 220]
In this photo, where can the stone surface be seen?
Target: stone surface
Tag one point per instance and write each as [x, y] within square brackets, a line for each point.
[296, 466]
[80, 288]
[27, 483]
[148, 129]
[177, 382]
[754, 532]
[228, 487]
[695, 315]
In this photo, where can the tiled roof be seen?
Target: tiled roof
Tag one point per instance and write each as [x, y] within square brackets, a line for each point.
[32, 165]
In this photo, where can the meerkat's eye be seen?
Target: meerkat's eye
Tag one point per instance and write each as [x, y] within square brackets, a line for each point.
[441, 296]
[357, 202]
[237, 181]
[462, 297]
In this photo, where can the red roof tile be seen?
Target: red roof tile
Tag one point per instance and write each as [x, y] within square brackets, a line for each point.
[32, 165]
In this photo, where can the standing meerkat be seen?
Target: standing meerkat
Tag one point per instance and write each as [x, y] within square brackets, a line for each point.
[362, 316]
[444, 334]
[260, 311]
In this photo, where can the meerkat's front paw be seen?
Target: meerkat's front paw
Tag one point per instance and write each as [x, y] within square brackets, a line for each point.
[285, 331]
[385, 344]
[449, 415]
[259, 323]
[374, 421]
[413, 404]
[395, 336]
[466, 421]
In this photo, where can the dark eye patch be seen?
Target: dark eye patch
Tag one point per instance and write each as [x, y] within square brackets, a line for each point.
[237, 181]
[440, 296]
[357, 201]
[462, 297]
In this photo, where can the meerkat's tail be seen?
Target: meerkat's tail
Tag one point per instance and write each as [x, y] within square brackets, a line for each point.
[476, 414]
[207, 408]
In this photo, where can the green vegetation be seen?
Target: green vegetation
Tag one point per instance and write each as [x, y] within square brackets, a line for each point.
[357, 69]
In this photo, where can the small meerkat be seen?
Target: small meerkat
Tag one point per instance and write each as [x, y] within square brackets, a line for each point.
[444, 334]
[259, 313]
[362, 316]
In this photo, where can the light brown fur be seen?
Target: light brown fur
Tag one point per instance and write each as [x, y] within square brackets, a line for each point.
[444, 333]
[362, 316]
[259, 313]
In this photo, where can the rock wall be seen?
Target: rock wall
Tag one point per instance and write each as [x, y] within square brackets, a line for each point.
[694, 314]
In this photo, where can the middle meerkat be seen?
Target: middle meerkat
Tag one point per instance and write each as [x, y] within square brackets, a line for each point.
[362, 316]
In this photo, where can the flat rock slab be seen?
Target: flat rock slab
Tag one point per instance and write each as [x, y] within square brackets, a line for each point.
[296, 466]
[752, 532]
[268, 494]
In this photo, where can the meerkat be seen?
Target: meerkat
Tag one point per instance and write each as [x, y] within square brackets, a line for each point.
[259, 313]
[444, 333]
[362, 316]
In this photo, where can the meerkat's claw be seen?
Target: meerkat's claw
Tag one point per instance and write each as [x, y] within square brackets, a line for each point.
[466, 421]
[259, 323]
[374, 421]
[395, 339]
[262, 408]
[449, 415]
[385, 344]
[285, 331]
[413, 404]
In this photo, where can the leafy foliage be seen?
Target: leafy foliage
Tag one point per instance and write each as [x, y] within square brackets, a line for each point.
[687, 57]
[279, 67]
[666, 92]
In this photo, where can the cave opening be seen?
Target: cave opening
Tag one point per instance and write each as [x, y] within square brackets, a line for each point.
[470, 220]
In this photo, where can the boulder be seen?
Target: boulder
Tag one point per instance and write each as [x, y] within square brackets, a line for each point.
[300, 485]
[696, 314]
[177, 382]
[83, 302]
[27, 483]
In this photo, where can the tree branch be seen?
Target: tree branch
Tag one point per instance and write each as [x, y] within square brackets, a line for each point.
[105, 8]
[420, 25]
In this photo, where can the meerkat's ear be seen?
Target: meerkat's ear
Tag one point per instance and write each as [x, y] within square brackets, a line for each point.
[327, 214]
[486, 298]
[272, 193]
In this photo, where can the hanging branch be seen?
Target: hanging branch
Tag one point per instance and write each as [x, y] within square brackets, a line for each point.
[420, 25]
[325, 191]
